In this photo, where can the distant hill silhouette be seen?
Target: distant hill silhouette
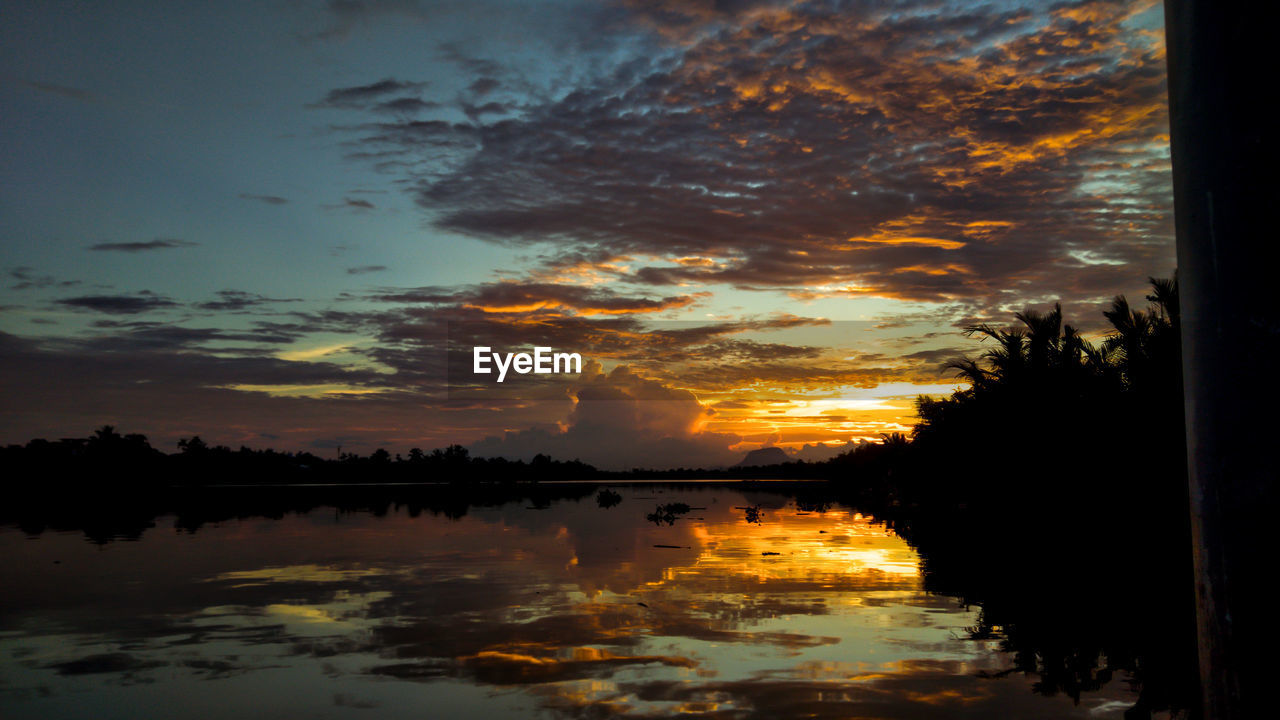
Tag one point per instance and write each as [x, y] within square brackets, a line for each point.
[765, 456]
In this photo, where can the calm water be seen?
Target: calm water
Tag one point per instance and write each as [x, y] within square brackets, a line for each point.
[511, 611]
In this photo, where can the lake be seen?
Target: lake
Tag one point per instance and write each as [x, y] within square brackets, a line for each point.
[728, 602]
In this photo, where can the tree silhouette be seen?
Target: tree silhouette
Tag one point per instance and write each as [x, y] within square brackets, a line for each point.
[192, 446]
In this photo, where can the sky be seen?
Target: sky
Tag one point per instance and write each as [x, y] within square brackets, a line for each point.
[285, 224]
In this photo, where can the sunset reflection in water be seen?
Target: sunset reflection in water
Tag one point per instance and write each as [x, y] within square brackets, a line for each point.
[572, 609]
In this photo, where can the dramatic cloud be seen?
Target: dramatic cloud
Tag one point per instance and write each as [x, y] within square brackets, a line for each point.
[141, 302]
[406, 106]
[131, 247]
[691, 195]
[484, 86]
[28, 280]
[164, 381]
[70, 93]
[268, 199]
[517, 297]
[901, 151]
[623, 420]
[238, 301]
[135, 335]
[364, 96]
[352, 204]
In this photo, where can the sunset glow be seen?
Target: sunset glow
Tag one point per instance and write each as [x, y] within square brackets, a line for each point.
[760, 223]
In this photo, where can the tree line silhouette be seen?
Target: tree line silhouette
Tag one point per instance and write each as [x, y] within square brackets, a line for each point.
[107, 460]
[1046, 414]
[1052, 493]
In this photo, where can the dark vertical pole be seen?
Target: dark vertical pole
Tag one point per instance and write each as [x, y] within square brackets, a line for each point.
[1222, 83]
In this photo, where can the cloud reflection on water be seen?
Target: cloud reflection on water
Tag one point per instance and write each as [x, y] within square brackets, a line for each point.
[572, 608]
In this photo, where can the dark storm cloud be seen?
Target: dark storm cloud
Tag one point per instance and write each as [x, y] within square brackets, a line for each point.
[593, 320]
[268, 199]
[158, 380]
[321, 321]
[474, 65]
[141, 302]
[419, 325]
[751, 351]
[484, 86]
[239, 301]
[65, 91]
[132, 247]
[889, 149]
[519, 297]
[476, 112]
[130, 365]
[27, 279]
[144, 335]
[371, 95]
[710, 374]
[433, 327]
[366, 269]
[405, 105]
[939, 357]
[427, 334]
[623, 420]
